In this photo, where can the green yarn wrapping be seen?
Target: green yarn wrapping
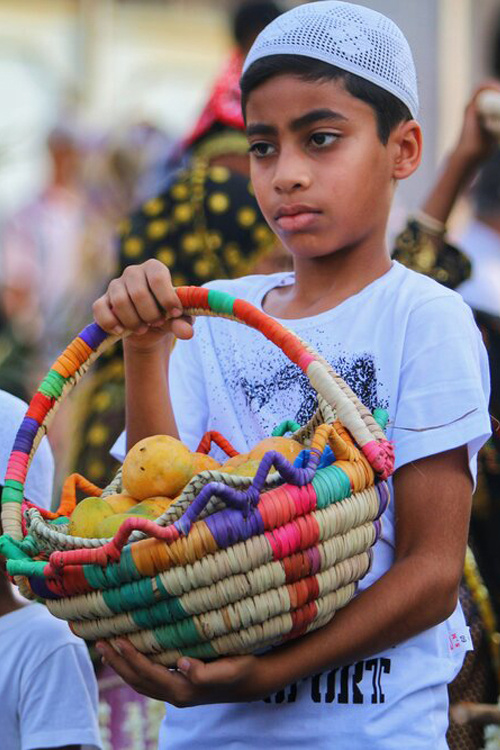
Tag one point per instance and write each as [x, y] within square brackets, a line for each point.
[381, 416]
[134, 595]
[201, 651]
[287, 426]
[113, 574]
[52, 385]
[179, 634]
[159, 614]
[220, 302]
[13, 492]
[331, 484]
[26, 567]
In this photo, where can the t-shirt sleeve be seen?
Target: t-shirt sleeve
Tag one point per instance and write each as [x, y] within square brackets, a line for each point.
[188, 390]
[58, 701]
[444, 383]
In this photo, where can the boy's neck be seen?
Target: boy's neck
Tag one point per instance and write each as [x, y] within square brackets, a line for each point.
[323, 283]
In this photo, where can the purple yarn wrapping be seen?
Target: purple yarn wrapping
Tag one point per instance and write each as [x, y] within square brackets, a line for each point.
[384, 497]
[315, 560]
[40, 588]
[292, 474]
[93, 335]
[26, 434]
[230, 526]
[234, 498]
[243, 500]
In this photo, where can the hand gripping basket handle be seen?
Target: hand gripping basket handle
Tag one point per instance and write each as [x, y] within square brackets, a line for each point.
[93, 341]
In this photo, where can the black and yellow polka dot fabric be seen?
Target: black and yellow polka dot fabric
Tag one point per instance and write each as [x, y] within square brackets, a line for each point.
[205, 225]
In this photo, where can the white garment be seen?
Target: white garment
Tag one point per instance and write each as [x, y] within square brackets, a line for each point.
[403, 343]
[48, 691]
[38, 485]
[482, 245]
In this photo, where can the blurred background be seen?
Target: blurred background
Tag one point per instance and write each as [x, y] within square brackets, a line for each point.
[104, 68]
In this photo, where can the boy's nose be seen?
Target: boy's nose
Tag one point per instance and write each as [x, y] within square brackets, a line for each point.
[290, 175]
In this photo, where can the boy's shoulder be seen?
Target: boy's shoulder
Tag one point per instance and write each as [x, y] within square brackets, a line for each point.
[251, 286]
[35, 623]
[414, 291]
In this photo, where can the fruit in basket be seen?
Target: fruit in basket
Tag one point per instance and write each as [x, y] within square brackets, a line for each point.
[232, 464]
[87, 516]
[288, 447]
[202, 462]
[157, 465]
[247, 469]
[110, 525]
[152, 508]
[120, 503]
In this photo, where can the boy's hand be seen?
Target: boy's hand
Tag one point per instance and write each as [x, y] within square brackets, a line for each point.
[227, 680]
[475, 143]
[143, 300]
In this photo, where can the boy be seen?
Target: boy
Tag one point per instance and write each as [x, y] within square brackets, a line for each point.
[329, 97]
[48, 691]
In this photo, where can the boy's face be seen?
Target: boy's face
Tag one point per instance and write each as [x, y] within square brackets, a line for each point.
[322, 177]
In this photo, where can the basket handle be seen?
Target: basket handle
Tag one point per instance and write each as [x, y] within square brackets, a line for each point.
[72, 364]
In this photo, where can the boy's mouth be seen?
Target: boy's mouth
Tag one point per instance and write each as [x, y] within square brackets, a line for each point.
[296, 217]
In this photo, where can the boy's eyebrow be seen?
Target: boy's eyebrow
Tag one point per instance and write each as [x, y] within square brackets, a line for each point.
[314, 116]
[309, 118]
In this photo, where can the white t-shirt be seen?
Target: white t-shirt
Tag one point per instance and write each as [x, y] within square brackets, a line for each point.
[48, 691]
[403, 343]
[482, 244]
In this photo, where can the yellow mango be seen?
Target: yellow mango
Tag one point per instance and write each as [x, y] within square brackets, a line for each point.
[288, 448]
[120, 503]
[87, 515]
[157, 465]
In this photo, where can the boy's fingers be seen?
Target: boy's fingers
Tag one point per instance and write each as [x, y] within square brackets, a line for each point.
[160, 284]
[182, 328]
[117, 662]
[141, 296]
[104, 316]
[122, 306]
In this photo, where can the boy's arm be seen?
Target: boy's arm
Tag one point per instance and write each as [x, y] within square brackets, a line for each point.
[419, 591]
[143, 302]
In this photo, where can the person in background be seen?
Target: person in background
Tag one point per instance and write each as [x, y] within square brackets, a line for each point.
[48, 691]
[472, 266]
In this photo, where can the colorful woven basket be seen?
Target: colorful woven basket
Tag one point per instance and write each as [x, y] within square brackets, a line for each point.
[236, 563]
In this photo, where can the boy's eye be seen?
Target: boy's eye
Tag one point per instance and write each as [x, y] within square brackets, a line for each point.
[261, 149]
[323, 139]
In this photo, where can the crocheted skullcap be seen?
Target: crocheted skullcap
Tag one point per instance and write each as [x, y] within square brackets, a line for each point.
[354, 38]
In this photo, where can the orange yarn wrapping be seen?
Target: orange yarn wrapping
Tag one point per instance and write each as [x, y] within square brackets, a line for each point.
[68, 495]
[215, 437]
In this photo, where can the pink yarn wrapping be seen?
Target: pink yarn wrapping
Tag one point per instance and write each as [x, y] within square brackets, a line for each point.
[17, 466]
[381, 457]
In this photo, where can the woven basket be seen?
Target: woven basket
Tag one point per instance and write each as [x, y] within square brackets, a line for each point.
[235, 564]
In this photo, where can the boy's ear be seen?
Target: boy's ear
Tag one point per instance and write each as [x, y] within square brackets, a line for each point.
[406, 140]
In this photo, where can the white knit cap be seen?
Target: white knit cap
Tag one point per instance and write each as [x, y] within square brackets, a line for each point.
[354, 38]
[38, 486]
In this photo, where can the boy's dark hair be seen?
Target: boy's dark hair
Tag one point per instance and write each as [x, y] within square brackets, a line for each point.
[251, 18]
[389, 110]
